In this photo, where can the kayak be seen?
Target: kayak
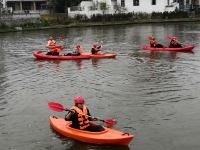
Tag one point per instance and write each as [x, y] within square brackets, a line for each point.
[186, 48]
[108, 136]
[101, 55]
[41, 55]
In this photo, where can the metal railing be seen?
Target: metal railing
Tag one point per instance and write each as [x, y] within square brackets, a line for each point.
[76, 8]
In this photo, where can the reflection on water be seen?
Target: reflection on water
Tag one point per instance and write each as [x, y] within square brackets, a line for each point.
[41, 63]
[160, 55]
[3, 84]
[156, 93]
[85, 146]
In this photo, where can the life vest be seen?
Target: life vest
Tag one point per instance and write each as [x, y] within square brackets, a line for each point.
[83, 120]
[52, 43]
[174, 42]
[80, 50]
[57, 48]
[153, 42]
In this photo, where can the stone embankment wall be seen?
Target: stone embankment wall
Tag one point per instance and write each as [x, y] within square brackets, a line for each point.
[13, 20]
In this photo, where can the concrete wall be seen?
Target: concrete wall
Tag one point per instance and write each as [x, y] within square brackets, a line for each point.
[16, 20]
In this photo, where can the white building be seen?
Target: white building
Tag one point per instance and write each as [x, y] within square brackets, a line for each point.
[124, 6]
[148, 6]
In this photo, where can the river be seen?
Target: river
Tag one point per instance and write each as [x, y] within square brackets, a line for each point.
[154, 96]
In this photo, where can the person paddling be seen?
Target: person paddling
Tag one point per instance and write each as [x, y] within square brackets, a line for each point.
[53, 49]
[154, 43]
[77, 51]
[174, 43]
[95, 49]
[80, 121]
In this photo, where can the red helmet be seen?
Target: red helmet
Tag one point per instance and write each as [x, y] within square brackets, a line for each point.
[78, 46]
[94, 45]
[79, 100]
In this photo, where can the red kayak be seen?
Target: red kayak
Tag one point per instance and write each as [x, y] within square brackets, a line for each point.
[186, 48]
[101, 55]
[108, 136]
[41, 55]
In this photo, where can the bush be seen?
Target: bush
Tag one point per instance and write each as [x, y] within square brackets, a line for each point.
[169, 15]
[3, 26]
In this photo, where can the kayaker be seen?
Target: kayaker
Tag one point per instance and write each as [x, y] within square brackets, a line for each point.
[154, 43]
[79, 121]
[174, 43]
[53, 49]
[77, 51]
[95, 49]
[51, 45]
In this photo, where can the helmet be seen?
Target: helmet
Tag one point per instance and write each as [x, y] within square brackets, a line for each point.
[151, 37]
[94, 45]
[79, 100]
[78, 46]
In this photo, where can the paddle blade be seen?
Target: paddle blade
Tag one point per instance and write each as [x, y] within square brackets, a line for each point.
[168, 37]
[110, 122]
[56, 106]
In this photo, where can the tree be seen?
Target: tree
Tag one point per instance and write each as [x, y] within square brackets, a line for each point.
[61, 5]
[103, 6]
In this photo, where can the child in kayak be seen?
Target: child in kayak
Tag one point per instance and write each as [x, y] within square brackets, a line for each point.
[77, 51]
[79, 121]
[174, 43]
[154, 43]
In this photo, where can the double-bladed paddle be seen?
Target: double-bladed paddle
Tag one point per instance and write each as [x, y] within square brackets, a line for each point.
[59, 108]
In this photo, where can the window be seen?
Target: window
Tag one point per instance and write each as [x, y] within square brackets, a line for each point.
[153, 2]
[123, 3]
[136, 2]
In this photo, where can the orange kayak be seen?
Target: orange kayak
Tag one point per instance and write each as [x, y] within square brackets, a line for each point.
[41, 55]
[102, 55]
[108, 136]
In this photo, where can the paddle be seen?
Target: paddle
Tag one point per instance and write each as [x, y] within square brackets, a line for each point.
[169, 38]
[59, 108]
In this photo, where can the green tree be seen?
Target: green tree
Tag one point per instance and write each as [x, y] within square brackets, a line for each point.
[60, 6]
[103, 7]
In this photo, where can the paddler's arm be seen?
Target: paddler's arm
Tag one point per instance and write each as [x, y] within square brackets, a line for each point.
[92, 118]
[68, 115]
